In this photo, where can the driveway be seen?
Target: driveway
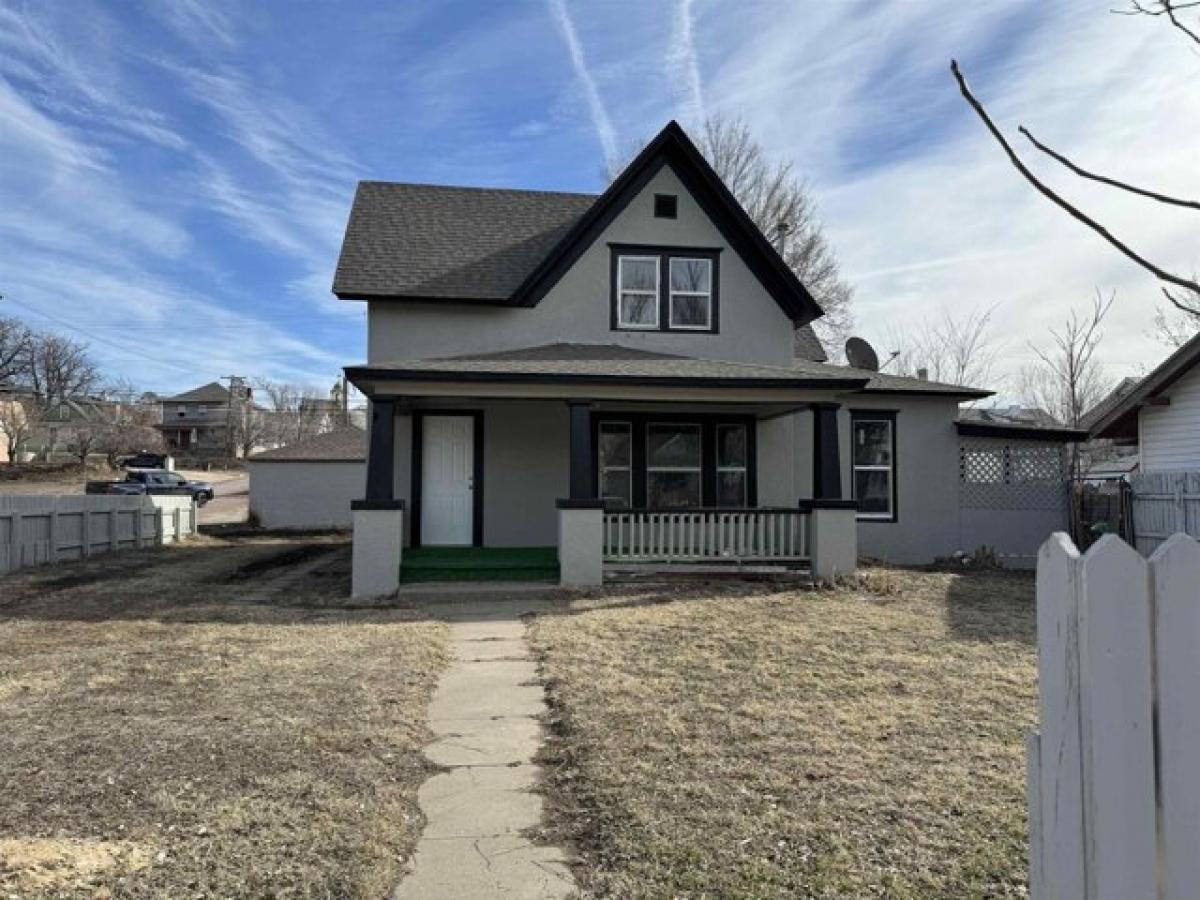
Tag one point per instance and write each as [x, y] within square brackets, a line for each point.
[231, 505]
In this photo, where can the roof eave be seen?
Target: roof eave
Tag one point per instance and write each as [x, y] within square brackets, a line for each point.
[994, 429]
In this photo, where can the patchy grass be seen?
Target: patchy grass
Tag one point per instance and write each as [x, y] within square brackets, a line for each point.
[741, 742]
[169, 729]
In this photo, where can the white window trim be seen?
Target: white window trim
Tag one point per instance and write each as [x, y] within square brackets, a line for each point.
[627, 427]
[744, 468]
[698, 469]
[890, 468]
[672, 294]
[621, 292]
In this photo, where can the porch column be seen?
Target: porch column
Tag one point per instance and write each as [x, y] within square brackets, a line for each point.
[581, 450]
[378, 519]
[581, 516]
[827, 462]
[381, 458]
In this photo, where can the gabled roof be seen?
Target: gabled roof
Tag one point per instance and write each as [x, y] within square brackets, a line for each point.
[213, 392]
[1119, 417]
[509, 248]
[429, 242]
[883, 383]
[806, 345]
[339, 445]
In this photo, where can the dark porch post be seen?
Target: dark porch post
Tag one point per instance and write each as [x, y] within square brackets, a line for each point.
[581, 449]
[827, 463]
[381, 460]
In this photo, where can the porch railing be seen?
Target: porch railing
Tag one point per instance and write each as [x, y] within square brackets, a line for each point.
[765, 535]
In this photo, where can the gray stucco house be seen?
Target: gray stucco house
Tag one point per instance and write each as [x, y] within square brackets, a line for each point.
[630, 377]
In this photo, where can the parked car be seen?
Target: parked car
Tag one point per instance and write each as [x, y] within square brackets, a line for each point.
[154, 481]
[145, 460]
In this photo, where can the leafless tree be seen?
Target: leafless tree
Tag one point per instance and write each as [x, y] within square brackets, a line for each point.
[14, 350]
[1181, 291]
[781, 204]
[1067, 379]
[59, 369]
[294, 412]
[87, 439]
[953, 349]
[1174, 328]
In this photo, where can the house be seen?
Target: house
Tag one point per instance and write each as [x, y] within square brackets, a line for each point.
[201, 426]
[1159, 415]
[632, 377]
[311, 483]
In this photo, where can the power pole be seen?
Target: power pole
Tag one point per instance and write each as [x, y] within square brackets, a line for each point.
[236, 396]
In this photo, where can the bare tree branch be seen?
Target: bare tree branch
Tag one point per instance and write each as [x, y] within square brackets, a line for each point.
[1181, 305]
[1158, 272]
[1104, 179]
[1164, 8]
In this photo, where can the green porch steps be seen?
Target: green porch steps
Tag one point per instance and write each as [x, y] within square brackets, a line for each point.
[479, 564]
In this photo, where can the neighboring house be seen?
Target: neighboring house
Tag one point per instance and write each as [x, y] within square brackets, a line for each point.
[535, 354]
[199, 425]
[309, 484]
[1159, 415]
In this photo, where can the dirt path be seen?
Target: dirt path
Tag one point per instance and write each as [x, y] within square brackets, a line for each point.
[485, 713]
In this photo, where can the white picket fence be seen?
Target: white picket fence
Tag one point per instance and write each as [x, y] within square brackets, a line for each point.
[1113, 789]
[41, 529]
[725, 535]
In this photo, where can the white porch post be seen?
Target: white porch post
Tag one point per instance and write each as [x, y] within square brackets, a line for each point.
[834, 536]
[379, 519]
[581, 516]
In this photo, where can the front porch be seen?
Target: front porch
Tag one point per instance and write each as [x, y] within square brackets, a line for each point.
[619, 474]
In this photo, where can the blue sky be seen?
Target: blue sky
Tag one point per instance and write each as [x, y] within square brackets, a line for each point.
[175, 176]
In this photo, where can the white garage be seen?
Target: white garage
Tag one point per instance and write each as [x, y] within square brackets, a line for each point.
[309, 484]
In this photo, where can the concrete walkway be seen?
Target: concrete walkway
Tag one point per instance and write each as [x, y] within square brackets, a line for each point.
[484, 714]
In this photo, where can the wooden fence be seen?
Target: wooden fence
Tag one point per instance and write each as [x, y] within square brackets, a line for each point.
[36, 529]
[1164, 503]
[1114, 801]
[712, 535]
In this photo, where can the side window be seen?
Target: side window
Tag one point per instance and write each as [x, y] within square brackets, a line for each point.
[664, 289]
[732, 465]
[615, 462]
[691, 293]
[873, 445]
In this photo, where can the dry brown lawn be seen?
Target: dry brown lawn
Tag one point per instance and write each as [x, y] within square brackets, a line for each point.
[865, 742]
[172, 727]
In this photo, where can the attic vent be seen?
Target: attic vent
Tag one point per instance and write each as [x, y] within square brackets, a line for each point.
[666, 206]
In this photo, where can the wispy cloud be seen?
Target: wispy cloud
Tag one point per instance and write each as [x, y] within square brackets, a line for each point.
[683, 63]
[600, 119]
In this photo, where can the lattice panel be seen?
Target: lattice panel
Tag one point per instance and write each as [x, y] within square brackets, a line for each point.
[998, 474]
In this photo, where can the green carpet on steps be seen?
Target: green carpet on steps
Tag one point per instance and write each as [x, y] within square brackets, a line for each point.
[479, 564]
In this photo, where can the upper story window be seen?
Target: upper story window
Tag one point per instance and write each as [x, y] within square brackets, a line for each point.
[664, 289]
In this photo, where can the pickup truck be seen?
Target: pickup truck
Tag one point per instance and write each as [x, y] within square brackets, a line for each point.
[154, 481]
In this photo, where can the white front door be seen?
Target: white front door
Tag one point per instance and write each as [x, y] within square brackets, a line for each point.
[447, 483]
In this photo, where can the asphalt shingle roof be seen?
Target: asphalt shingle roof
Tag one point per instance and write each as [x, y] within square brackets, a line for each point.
[806, 345]
[340, 445]
[213, 392]
[450, 243]
[611, 361]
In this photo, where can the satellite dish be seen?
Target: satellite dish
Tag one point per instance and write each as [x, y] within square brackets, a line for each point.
[861, 355]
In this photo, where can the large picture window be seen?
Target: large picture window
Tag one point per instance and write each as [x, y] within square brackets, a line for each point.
[873, 448]
[664, 461]
[664, 289]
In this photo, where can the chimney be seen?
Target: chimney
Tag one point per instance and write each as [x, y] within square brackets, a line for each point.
[923, 374]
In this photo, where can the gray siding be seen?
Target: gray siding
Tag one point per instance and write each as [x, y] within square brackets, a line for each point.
[752, 326]
[1170, 435]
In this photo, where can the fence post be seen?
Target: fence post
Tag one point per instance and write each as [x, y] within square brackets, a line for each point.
[1175, 569]
[114, 528]
[85, 526]
[15, 558]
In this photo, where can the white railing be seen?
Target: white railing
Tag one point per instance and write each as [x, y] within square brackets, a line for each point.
[706, 535]
[1114, 801]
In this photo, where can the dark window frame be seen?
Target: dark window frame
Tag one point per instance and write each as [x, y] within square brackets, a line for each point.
[877, 415]
[664, 256]
[708, 422]
[666, 206]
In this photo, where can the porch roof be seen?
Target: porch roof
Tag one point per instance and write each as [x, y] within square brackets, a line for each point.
[566, 363]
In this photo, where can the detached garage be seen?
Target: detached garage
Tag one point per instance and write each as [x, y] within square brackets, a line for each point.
[309, 484]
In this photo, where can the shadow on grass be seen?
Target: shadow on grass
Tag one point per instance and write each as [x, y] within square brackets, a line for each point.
[992, 606]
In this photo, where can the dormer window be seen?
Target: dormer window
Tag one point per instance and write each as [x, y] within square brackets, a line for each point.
[664, 289]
